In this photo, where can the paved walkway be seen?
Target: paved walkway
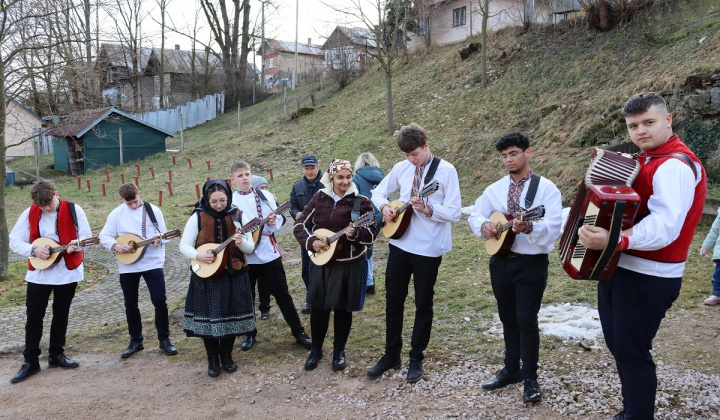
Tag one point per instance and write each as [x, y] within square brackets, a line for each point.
[98, 305]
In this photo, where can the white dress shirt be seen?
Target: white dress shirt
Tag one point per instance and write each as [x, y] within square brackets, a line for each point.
[545, 231]
[673, 194]
[266, 250]
[190, 234]
[124, 220]
[20, 244]
[428, 236]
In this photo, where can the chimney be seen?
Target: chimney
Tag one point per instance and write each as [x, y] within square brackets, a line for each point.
[177, 46]
[309, 41]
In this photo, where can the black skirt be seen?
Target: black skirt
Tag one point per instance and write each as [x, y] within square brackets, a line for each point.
[338, 286]
[219, 307]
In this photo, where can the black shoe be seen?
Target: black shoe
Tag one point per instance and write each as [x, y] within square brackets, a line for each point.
[247, 343]
[338, 362]
[531, 391]
[370, 290]
[26, 370]
[619, 416]
[383, 365]
[213, 366]
[264, 315]
[306, 310]
[303, 339]
[415, 371]
[133, 347]
[504, 378]
[228, 363]
[169, 347]
[312, 361]
[62, 361]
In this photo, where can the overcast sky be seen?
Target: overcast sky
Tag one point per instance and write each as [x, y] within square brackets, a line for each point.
[317, 20]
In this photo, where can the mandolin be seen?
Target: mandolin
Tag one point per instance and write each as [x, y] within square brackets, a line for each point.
[257, 231]
[139, 245]
[330, 238]
[397, 228]
[504, 238]
[214, 268]
[55, 251]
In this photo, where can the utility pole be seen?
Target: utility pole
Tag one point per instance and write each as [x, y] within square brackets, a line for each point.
[262, 51]
[297, 19]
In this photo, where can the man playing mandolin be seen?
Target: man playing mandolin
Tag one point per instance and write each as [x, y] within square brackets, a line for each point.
[519, 275]
[418, 252]
[66, 223]
[144, 220]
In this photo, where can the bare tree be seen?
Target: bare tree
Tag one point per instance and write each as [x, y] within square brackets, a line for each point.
[162, 4]
[233, 44]
[129, 16]
[386, 20]
[16, 17]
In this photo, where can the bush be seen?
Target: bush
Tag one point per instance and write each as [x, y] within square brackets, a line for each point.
[606, 14]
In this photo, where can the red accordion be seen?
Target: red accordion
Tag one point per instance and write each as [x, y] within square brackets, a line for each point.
[606, 200]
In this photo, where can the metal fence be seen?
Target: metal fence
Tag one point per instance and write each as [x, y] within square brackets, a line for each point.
[192, 113]
[43, 142]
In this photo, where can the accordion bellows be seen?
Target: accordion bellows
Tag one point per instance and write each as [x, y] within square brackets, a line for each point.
[605, 199]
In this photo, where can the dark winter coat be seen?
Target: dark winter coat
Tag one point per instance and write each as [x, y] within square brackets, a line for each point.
[302, 192]
[322, 212]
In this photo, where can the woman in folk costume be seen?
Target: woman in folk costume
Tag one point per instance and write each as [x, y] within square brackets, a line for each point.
[338, 286]
[218, 309]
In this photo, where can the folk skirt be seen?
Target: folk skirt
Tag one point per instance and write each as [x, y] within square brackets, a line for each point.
[219, 307]
[338, 286]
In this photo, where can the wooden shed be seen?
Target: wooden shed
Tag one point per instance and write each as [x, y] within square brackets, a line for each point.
[89, 140]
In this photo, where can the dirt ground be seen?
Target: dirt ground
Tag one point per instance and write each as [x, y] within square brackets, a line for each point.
[151, 385]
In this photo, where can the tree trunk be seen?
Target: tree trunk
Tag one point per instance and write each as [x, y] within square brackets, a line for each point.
[4, 239]
[91, 98]
[244, 50]
[388, 96]
[485, 10]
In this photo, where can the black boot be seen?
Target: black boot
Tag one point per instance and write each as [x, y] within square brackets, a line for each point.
[212, 346]
[226, 347]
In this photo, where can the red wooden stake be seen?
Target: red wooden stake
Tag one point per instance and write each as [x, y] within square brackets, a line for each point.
[208, 179]
[169, 184]
[189, 162]
[138, 169]
[107, 175]
[88, 184]
[122, 178]
[170, 175]
[173, 159]
[103, 186]
[79, 181]
[197, 190]
[208, 164]
[152, 172]
[271, 174]
[160, 199]
[136, 182]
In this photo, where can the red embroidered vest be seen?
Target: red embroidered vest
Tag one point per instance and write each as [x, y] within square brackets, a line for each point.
[677, 251]
[66, 232]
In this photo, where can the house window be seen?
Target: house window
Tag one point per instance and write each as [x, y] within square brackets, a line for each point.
[422, 27]
[459, 16]
[270, 62]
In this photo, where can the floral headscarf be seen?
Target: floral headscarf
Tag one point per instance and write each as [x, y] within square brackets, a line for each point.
[336, 166]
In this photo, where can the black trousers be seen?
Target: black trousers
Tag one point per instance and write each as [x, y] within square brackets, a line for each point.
[320, 321]
[262, 289]
[631, 306]
[155, 281]
[36, 302]
[305, 268]
[518, 283]
[273, 275]
[400, 266]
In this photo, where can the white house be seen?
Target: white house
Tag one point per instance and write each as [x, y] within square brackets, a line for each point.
[21, 126]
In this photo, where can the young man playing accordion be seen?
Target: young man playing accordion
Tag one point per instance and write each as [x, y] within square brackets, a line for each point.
[649, 274]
